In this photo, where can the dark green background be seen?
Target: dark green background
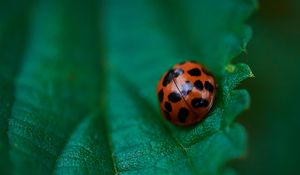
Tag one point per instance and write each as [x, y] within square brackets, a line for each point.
[273, 119]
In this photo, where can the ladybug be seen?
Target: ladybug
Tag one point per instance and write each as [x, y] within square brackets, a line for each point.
[186, 93]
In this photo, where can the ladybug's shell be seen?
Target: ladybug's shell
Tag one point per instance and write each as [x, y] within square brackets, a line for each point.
[186, 93]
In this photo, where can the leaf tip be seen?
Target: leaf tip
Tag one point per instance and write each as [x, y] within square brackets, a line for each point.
[251, 75]
[230, 68]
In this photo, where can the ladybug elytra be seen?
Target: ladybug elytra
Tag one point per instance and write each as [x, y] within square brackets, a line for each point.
[186, 93]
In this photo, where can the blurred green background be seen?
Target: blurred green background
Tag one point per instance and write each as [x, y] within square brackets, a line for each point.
[273, 119]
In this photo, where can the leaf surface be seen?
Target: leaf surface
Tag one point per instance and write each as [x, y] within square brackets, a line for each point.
[78, 97]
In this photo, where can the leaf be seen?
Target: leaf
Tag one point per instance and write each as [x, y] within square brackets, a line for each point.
[81, 97]
[12, 40]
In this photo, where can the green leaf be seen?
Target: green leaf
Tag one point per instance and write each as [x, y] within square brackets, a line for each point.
[78, 95]
[12, 41]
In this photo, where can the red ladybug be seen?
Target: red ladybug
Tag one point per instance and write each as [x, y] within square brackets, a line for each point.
[186, 93]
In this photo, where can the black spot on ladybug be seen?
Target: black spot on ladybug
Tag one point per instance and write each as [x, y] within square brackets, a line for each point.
[208, 86]
[174, 97]
[183, 114]
[167, 114]
[198, 85]
[195, 72]
[168, 106]
[168, 78]
[177, 72]
[172, 74]
[160, 95]
[199, 102]
[186, 88]
[206, 71]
